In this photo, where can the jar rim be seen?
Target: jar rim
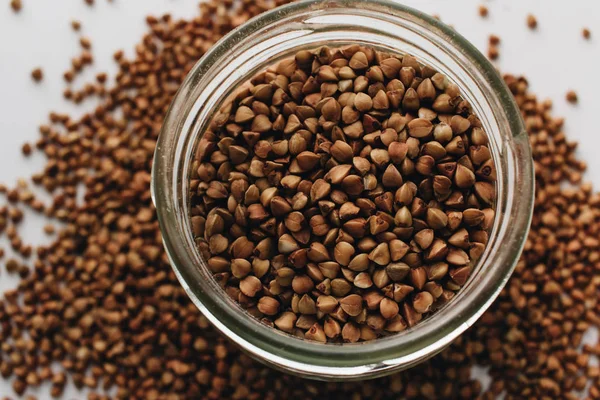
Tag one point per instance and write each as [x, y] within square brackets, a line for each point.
[311, 359]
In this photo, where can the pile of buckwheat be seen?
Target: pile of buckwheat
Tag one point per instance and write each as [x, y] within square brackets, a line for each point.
[100, 307]
[343, 194]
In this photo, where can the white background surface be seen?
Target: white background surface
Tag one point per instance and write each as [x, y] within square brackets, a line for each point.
[554, 57]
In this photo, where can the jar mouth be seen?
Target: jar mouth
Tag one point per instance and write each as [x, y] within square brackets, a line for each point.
[308, 24]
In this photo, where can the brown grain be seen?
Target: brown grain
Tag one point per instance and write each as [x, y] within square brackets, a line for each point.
[37, 74]
[586, 33]
[16, 5]
[483, 11]
[532, 21]
[125, 321]
[324, 195]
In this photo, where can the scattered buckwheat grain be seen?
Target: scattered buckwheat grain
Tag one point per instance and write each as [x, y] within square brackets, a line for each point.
[16, 5]
[483, 11]
[100, 307]
[531, 21]
[494, 40]
[586, 33]
[37, 74]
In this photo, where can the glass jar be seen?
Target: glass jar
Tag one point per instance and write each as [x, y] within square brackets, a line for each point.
[279, 34]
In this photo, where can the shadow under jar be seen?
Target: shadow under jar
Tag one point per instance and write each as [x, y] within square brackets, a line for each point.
[278, 35]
